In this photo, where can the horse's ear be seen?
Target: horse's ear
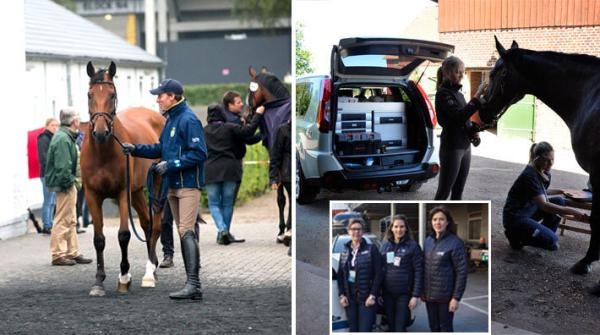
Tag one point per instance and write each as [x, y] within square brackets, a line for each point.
[112, 69]
[251, 72]
[499, 47]
[264, 69]
[90, 69]
[514, 45]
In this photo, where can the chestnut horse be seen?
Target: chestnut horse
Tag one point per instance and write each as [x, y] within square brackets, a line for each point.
[267, 90]
[103, 170]
[570, 85]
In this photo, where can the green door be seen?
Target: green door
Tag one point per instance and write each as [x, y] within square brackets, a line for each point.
[518, 121]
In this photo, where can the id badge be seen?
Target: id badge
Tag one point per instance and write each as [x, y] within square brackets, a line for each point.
[352, 276]
[390, 257]
[397, 260]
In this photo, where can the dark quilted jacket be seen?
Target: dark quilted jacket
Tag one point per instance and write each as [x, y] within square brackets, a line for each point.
[368, 271]
[445, 268]
[407, 278]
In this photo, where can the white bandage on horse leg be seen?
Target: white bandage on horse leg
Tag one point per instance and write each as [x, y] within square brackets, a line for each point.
[125, 278]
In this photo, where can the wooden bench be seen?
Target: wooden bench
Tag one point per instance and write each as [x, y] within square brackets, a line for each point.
[579, 200]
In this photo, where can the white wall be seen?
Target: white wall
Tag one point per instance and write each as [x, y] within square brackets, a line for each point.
[13, 170]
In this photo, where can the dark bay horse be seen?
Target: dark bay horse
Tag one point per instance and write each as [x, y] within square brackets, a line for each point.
[570, 85]
[103, 172]
[267, 90]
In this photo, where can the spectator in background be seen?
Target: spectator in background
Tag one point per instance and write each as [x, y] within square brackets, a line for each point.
[233, 107]
[43, 142]
[61, 177]
[223, 167]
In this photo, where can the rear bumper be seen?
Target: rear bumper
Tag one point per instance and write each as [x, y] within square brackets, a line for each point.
[370, 179]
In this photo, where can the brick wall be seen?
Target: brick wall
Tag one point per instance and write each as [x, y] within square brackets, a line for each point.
[476, 48]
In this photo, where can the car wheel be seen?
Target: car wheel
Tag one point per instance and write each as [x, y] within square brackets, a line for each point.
[412, 187]
[304, 192]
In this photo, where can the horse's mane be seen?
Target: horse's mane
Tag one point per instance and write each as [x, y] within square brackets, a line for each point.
[568, 62]
[272, 84]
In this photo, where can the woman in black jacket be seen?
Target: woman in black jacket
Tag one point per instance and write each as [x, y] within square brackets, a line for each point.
[402, 273]
[359, 279]
[446, 271]
[223, 170]
[453, 114]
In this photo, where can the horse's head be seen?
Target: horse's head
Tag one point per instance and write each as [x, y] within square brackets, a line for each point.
[505, 87]
[264, 87]
[102, 101]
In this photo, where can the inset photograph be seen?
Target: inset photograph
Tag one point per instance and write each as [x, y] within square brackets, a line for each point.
[409, 266]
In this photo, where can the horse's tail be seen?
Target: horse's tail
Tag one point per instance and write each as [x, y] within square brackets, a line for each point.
[157, 194]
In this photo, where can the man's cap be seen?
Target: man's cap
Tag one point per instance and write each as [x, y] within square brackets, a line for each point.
[168, 86]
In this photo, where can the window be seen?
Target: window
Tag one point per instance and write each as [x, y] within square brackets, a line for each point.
[474, 225]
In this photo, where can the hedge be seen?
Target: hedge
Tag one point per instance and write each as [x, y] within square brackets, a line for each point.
[210, 93]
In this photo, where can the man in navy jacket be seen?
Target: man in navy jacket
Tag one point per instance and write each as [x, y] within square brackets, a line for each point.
[182, 151]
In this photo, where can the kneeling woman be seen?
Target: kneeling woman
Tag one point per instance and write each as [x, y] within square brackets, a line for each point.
[403, 273]
[446, 271]
[359, 279]
[529, 202]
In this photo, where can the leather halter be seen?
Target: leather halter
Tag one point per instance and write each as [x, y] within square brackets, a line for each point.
[108, 116]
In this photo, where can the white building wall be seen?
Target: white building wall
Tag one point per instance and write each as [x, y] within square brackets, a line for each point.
[13, 170]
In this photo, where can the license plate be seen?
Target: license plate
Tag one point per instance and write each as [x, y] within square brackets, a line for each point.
[402, 182]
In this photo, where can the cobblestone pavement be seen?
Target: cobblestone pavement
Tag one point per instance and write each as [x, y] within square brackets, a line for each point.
[247, 286]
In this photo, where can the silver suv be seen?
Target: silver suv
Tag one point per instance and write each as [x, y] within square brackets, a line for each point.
[366, 125]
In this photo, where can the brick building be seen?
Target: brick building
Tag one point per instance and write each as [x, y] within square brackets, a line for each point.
[570, 26]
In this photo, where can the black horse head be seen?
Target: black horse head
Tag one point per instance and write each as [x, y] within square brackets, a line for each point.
[506, 85]
[264, 87]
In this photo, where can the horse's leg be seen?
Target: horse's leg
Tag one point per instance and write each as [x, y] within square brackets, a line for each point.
[124, 236]
[281, 208]
[141, 207]
[583, 266]
[95, 208]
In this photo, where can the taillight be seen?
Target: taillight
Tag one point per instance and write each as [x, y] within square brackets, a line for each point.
[324, 112]
[430, 108]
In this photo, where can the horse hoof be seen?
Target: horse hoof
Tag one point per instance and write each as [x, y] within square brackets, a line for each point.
[148, 282]
[123, 287]
[581, 268]
[97, 291]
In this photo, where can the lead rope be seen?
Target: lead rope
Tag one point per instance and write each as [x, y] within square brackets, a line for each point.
[127, 180]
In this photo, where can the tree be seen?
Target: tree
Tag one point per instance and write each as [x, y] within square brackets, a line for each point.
[68, 4]
[302, 55]
[267, 12]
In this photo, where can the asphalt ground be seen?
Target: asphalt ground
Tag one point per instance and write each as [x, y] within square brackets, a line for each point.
[247, 286]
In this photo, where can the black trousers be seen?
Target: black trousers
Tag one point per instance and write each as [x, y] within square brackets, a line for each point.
[440, 319]
[454, 170]
[397, 311]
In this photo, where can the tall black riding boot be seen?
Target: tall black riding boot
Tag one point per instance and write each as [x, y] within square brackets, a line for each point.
[191, 259]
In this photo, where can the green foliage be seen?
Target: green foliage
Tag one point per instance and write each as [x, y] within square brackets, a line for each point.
[210, 93]
[302, 55]
[255, 180]
[68, 4]
[267, 12]
[204, 95]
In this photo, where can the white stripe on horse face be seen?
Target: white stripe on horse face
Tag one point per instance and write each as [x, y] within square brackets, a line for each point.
[253, 86]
